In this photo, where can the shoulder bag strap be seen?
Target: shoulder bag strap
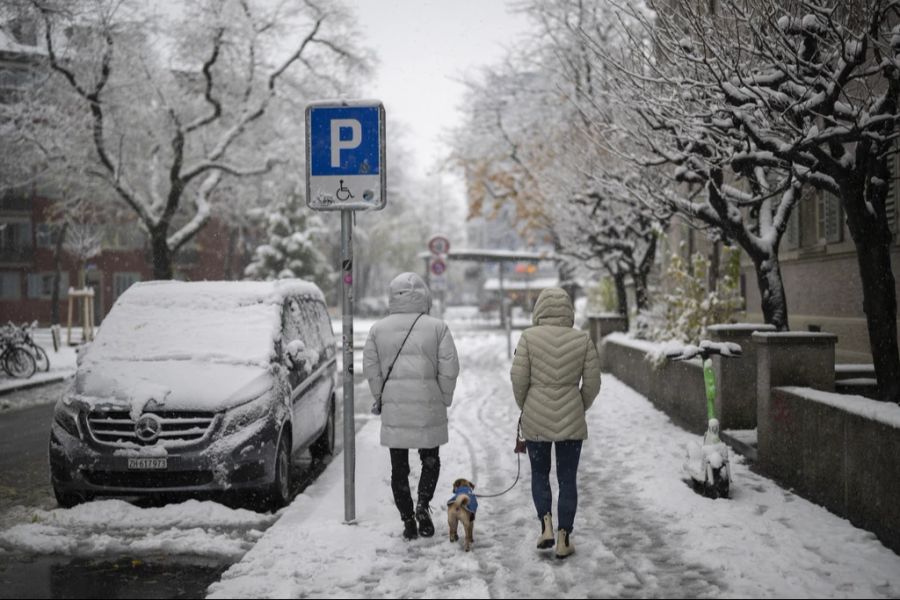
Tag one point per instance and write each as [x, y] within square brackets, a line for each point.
[399, 350]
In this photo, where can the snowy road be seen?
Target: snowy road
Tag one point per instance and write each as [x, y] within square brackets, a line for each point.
[24, 436]
[640, 530]
[109, 548]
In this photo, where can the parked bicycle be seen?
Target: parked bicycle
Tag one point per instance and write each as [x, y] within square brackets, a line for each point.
[41, 359]
[15, 358]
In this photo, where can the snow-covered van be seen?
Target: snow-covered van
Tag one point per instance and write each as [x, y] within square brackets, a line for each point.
[198, 387]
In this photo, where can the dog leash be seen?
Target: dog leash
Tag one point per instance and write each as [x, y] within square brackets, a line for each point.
[520, 441]
[518, 473]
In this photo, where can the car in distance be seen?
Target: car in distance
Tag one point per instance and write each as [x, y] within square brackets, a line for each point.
[198, 387]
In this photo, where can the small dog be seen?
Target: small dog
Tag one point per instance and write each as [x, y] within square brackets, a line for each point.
[462, 507]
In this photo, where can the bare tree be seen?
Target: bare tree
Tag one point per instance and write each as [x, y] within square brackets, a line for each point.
[807, 89]
[525, 144]
[81, 237]
[625, 228]
[670, 124]
[166, 130]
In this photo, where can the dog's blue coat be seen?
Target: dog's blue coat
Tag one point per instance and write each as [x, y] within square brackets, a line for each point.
[472, 505]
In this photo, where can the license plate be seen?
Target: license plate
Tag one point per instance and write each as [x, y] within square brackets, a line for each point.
[147, 464]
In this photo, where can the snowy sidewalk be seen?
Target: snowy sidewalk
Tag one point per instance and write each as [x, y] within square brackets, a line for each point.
[640, 531]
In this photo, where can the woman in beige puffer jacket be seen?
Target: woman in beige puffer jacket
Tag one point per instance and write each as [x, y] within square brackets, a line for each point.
[555, 378]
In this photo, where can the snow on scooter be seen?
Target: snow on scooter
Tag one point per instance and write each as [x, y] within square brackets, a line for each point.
[708, 465]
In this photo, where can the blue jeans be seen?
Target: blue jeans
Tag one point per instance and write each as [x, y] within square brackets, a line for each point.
[567, 455]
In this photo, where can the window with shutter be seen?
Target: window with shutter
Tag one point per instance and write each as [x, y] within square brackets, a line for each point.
[808, 217]
[833, 220]
[15, 233]
[46, 235]
[122, 281]
[40, 285]
[33, 285]
[890, 202]
[10, 286]
[792, 233]
[830, 221]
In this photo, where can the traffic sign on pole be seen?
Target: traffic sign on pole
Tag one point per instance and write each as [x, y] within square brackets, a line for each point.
[345, 155]
[439, 244]
[346, 171]
[438, 266]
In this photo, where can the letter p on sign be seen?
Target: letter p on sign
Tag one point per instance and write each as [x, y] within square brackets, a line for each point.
[337, 144]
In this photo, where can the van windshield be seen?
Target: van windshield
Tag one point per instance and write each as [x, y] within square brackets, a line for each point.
[146, 326]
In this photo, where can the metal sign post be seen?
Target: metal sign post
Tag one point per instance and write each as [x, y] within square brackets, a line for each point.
[347, 339]
[439, 246]
[346, 171]
[505, 316]
[438, 281]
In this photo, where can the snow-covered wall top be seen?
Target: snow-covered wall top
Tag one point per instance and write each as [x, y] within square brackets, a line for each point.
[883, 412]
[741, 327]
[625, 340]
[775, 337]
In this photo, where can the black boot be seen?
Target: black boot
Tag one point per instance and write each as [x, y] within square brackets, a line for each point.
[423, 516]
[409, 529]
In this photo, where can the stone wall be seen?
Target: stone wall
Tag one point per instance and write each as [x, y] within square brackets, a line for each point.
[840, 451]
[676, 388]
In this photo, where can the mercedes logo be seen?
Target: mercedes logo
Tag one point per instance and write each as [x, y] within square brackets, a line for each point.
[148, 428]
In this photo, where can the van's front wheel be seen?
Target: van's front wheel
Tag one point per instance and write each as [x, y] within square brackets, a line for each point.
[68, 499]
[280, 491]
[324, 445]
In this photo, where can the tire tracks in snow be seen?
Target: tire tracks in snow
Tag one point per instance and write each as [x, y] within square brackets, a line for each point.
[642, 541]
[474, 415]
[503, 537]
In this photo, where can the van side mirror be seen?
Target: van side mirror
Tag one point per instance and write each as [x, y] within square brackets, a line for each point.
[79, 354]
[296, 355]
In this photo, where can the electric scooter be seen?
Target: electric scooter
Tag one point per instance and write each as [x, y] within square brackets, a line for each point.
[708, 465]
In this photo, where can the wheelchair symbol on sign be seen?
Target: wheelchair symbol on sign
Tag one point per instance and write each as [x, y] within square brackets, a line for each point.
[343, 193]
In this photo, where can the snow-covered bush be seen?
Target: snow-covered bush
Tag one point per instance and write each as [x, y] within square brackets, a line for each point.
[292, 247]
[649, 324]
[689, 307]
[602, 297]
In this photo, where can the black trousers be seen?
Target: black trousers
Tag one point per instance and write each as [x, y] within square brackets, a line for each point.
[431, 470]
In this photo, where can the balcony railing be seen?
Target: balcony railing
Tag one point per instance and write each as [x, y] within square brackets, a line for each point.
[16, 256]
[10, 202]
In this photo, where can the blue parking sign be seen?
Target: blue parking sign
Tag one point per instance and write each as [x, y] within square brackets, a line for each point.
[345, 156]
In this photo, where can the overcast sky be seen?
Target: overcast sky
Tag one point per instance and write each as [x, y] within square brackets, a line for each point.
[424, 47]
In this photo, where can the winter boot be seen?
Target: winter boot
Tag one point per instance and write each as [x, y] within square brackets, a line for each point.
[546, 539]
[564, 546]
[423, 516]
[409, 529]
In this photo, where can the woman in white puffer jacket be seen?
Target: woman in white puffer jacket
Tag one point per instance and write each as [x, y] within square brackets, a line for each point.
[418, 391]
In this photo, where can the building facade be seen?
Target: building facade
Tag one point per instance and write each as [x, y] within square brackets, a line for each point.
[29, 226]
[28, 261]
